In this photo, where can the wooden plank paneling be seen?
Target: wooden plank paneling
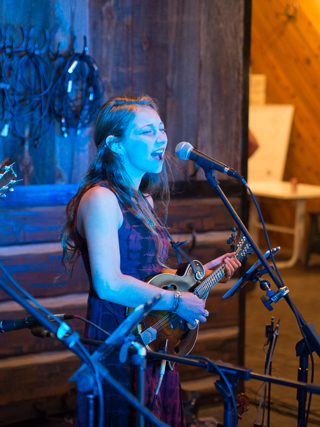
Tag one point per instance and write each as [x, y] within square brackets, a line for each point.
[111, 43]
[201, 215]
[54, 406]
[44, 375]
[38, 269]
[32, 164]
[220, 56]
[15, 343]
[74, 154]
[221, 344]
[150, 45]
[186, 54]
[43, 275]
[55, 159]
[222, 312]
[31, 225]
[182, 77]
[146, 47]
[34, 196]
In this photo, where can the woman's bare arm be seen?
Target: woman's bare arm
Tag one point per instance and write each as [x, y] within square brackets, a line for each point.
[99, 217]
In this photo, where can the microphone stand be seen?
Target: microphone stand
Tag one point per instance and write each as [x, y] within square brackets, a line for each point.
[90, 374]
[233, 373]
[311, 341]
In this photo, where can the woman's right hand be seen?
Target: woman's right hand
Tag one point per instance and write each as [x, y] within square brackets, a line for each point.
[192, 308]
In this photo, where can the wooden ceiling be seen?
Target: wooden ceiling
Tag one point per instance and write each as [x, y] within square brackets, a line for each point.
[287, 50]
[285, 46]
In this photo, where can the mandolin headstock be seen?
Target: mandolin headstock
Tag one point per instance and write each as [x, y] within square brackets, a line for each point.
[241, 247]
[232, 240]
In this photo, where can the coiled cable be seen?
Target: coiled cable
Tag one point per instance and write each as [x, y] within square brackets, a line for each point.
[27, 83]
[77, 92]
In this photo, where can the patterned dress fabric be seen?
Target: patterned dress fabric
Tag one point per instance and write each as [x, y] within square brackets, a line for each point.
[138, 259]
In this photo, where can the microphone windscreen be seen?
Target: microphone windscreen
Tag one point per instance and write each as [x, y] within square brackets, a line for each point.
[183, 149]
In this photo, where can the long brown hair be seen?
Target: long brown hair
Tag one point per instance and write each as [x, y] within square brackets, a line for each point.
[114, 118]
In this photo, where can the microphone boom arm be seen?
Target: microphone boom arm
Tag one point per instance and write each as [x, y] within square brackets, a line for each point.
[215, 184]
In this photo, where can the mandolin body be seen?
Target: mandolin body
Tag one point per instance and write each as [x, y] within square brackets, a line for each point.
[180, 335]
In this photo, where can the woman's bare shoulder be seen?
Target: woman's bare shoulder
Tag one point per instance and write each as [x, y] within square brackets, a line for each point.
[99, 204]
[98, 195]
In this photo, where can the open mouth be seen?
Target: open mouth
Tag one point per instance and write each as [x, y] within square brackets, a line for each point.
[158, 154]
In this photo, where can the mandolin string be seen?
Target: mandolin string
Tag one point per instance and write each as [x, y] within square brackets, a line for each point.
[166, 319]
[207, 284]
[205, 287]
[218, 274]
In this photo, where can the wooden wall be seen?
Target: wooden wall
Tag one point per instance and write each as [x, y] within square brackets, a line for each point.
[195, 50]
[34, 371]
[286, 50]
[56, 160]
[189, 55]
[177, 51]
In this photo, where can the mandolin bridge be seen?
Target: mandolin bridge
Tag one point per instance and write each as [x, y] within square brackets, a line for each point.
[148, 335]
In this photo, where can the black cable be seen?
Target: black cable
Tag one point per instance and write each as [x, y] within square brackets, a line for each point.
[277, 404]
[26, 88]
[222, 375]
[92, 324]
[27, 95]
[77, 92]
[266, 235]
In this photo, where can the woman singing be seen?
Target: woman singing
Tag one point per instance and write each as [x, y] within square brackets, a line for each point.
[111, 224]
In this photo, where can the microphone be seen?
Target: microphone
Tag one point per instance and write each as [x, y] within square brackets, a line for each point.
[117, 336]
[185, 151]
[27, 322]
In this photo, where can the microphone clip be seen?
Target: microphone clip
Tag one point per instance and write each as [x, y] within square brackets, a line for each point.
[272, 296]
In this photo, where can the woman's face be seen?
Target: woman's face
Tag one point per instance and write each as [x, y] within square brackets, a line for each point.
[144, 144]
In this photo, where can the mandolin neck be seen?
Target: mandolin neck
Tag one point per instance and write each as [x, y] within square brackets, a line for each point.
[204, 287]
[202, 290]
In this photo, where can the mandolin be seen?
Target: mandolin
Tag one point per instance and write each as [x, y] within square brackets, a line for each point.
[167, 331]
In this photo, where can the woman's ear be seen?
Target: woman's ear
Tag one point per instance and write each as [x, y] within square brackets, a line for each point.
[114, 144]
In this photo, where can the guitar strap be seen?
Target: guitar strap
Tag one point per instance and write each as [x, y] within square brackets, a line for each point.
[177, 247]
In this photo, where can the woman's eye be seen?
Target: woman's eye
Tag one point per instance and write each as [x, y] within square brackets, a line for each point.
[163, 130]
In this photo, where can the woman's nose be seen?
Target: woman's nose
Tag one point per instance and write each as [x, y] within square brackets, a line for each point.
[161, 138]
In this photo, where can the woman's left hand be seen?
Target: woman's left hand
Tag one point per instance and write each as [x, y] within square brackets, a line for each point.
[231, 264]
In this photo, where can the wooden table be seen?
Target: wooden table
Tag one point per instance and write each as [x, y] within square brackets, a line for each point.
[283, 191]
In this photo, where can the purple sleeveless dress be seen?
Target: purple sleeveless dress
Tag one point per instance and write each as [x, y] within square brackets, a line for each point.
[138, 259]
